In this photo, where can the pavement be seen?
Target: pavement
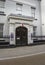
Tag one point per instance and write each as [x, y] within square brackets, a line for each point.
[18, 52]
[27, 55]
[30, 60]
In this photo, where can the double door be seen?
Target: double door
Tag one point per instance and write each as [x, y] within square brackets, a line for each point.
[21, 36]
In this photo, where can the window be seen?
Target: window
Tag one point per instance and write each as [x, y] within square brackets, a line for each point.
[2, 0]
[2, 6]
[1, 12]
[34, 30]
[2, 3]
[19, 8]
[1, 30]
[33, 11]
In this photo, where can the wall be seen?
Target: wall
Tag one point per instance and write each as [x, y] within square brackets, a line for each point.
[17, 23]
[43, 16]
[10, 7]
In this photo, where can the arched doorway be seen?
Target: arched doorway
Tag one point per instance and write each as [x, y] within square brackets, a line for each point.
[21, 36]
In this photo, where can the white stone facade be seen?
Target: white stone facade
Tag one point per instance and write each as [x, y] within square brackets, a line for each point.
[11, 24]
[43, 16]
[17, 22]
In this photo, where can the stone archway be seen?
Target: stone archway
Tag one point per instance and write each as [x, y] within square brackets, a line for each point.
[21, 35]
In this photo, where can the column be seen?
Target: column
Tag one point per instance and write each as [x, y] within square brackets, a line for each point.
[12, 34]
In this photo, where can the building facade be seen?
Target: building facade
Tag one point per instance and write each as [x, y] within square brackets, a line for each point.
[20, 20]
[43, 16]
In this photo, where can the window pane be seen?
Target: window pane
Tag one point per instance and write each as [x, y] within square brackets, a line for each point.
[1, 34]
[34, 30]
[1, 30]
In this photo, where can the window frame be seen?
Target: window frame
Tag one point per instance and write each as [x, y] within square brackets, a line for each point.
[19, 8]
[33, 13]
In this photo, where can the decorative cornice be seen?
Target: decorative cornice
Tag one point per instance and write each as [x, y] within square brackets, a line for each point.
[20, 17]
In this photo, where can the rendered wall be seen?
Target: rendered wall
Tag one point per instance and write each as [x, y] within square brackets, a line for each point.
[43, 16]
[10, 7]
[12, 30]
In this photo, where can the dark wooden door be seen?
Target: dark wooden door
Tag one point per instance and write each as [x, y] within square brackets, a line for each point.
[21, 36]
